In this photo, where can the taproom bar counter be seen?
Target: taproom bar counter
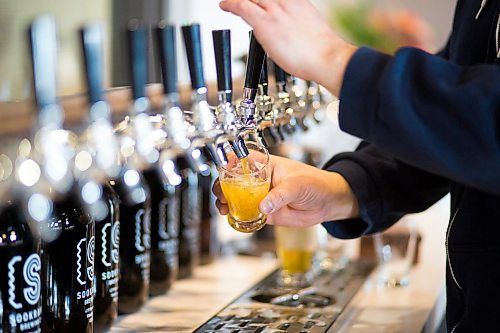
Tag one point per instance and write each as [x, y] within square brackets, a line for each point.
[418, 307]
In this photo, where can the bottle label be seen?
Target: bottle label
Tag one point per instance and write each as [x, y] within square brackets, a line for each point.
[85, 254]
[163, 208]
[143, 241]
[110, 242]
[115, 240]
[168, 226]
[24, 293]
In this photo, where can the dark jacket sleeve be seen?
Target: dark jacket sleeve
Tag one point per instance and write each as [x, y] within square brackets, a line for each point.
[386, 189]
[427, 112]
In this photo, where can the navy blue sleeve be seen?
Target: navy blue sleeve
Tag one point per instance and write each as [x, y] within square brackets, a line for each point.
[427, 112]
[386, 189]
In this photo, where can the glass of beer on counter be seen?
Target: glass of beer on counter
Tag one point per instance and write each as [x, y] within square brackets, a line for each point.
[296, 248]
[245, 182]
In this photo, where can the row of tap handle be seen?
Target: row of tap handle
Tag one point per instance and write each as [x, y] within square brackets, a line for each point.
[153, 138]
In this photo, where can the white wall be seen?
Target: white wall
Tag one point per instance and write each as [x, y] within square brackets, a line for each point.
[210, 17]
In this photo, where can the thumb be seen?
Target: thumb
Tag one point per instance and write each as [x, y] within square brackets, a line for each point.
[279, 197]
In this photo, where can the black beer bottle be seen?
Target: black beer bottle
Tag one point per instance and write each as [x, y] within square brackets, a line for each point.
[208, 225]
[190, 214]
[20, 272]
[107, 270]
[68, 268]
[164, 233]
[135, 243]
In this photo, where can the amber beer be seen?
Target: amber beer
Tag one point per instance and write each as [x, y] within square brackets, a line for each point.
[245, 183]
[295, 248]
[244, 197]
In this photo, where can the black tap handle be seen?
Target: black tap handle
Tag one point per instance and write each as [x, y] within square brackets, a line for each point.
[222, 48]
[92, 46]
[192, 41]
[279, 74]
[264, 74]
[255, 61]
[168, 59]
[138, 58]
[264, 77]
[43, 43]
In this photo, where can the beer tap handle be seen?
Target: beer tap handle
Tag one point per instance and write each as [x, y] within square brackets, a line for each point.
[91, 39]
[92, 46]
[222, 49]
[168, 60]
[192, 42]
[264, 78]
[256, 56]
[138, 58]
[43, 43]
[280, 77]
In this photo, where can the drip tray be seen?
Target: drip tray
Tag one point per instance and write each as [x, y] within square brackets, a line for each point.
[267, 307]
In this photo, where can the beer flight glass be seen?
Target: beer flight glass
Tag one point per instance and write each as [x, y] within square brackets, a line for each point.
[295, 248]
[245, 183]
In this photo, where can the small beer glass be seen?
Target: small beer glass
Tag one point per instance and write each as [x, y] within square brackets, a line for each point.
[296, 248]
[245, 183]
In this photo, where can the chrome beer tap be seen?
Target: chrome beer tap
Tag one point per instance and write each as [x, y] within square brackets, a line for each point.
[283, 106]
[225, 110]
[97, 159]
[313, 104]
[298, 90]
[99, 137]
[53, 146]
[266, 129]
[43, 167]
[205, 133]
[247, 117]
[176, 127]
[138, 137]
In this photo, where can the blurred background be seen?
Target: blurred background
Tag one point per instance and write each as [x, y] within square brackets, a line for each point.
[381, 23]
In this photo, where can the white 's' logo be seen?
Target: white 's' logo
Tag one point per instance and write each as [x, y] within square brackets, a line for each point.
[138, 221]
[115, 241]
[90, 257]
[31, 274]
[80, 277]
[104, 242]
[163, 216]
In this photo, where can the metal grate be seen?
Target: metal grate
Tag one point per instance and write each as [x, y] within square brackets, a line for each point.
[323, 302]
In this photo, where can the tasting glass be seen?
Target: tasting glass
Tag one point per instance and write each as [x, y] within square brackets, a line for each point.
[245, 186]
[295, 248]
[396, 254]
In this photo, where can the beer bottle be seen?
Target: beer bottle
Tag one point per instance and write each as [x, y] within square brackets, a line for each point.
[107, 270]
[68, 268]
[20, 268]
[135, 241]
[99, 140]
[164, 233]
[208, 225]
[190, 214]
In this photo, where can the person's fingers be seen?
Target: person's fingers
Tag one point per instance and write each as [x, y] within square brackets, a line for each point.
[223, 208]
[217, 191]
[279, 197]
[293, 218]
[250, 11]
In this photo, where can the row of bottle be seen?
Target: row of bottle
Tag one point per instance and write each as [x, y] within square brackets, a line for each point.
[90, 270]
[72, 259]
